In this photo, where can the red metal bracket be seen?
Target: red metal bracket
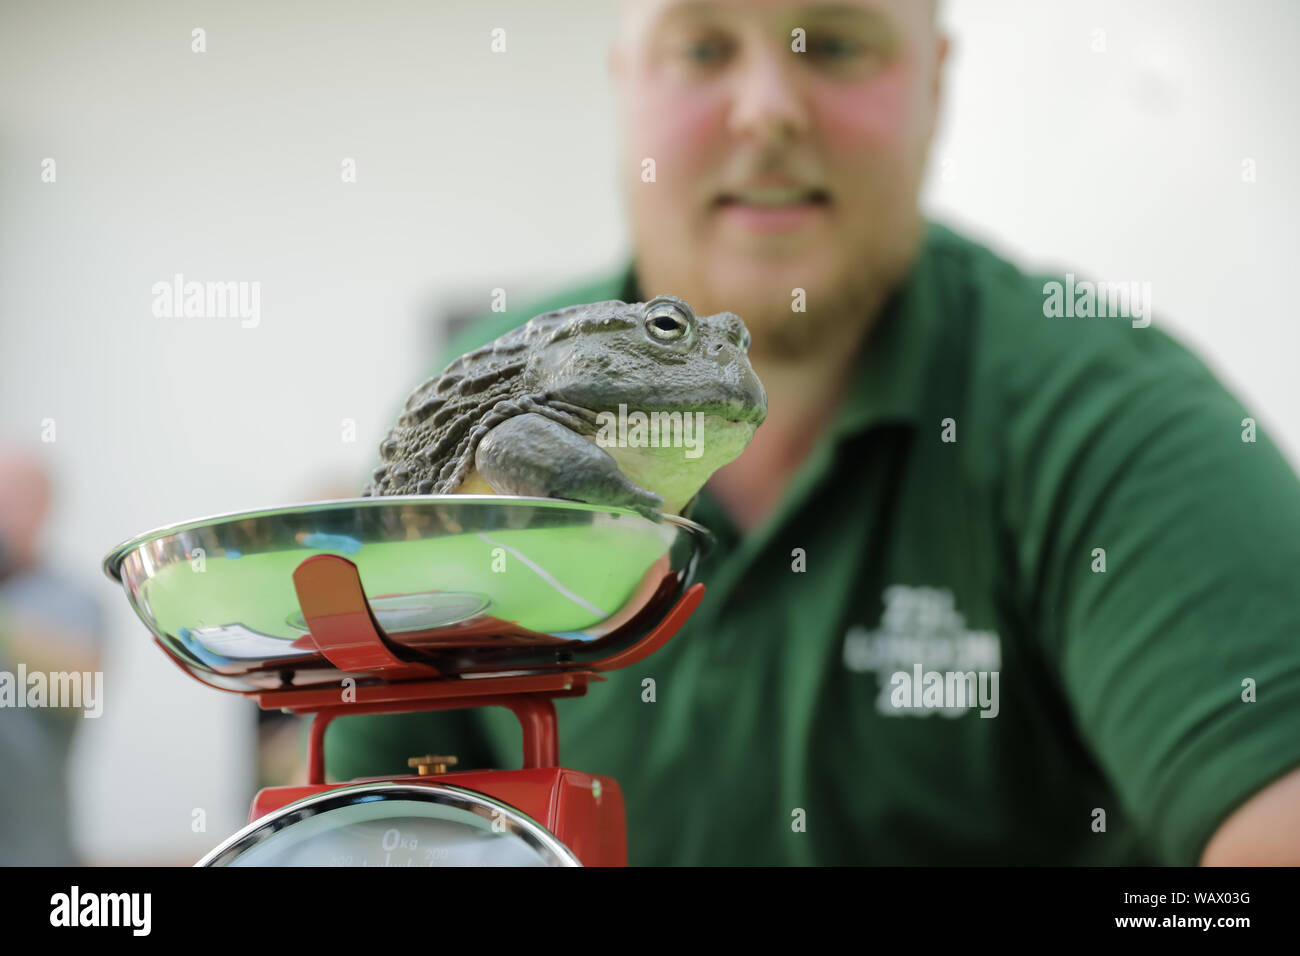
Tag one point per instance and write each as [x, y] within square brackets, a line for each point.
[660, 636]
[344, 628]
[536, 714]
[528, 697]
[342, 624]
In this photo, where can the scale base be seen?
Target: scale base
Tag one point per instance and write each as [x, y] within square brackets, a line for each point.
[583, 811]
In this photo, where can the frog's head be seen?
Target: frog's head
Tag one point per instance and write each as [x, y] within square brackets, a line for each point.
[685, 380]
[655, 356]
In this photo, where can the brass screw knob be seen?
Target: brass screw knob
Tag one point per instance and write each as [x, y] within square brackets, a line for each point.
[431, 764]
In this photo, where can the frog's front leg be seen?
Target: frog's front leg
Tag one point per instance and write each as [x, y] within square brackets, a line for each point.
[533, 455]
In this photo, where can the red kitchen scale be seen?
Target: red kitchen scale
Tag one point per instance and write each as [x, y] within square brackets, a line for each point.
[419, 603]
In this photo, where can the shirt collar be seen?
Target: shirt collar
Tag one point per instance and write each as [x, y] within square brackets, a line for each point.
[889, 379]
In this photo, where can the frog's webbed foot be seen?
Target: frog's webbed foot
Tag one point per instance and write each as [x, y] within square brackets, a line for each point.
[533, 455]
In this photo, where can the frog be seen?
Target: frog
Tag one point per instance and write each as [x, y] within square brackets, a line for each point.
[550, 409]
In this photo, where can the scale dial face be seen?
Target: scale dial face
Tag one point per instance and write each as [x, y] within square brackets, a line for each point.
[392, 824]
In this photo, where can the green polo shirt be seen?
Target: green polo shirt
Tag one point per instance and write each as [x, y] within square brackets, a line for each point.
[1030, 600]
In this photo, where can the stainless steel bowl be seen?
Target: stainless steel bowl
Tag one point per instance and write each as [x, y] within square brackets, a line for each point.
[473, 584]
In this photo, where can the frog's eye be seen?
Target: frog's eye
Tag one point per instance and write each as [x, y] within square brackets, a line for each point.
[744, 341]
[666, 322]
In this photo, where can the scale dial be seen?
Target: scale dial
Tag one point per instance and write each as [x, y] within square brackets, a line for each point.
[394, 824]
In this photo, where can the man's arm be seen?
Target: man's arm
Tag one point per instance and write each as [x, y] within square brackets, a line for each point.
[1264, 831]
[1158, 533]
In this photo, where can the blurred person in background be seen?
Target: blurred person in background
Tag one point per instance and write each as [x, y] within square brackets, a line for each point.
[1069, 505]
[49, 624]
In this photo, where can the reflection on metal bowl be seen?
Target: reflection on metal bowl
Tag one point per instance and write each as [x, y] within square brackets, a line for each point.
[469, 584]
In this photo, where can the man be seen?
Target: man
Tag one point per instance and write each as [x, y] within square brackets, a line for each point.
[995, 585]
[49, 625]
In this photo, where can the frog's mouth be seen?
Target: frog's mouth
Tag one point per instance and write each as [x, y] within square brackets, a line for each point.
[661, 427]
[741, 405]
[675, 453]
[670, 450]
[732, 413]
[736, 412]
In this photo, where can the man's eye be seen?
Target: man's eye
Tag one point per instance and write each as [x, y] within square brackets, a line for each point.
[707, 51]
[834, 47]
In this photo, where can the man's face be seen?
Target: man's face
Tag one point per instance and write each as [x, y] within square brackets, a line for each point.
[782, 159]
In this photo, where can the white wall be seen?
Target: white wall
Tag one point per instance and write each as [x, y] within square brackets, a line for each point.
[1127, 164]
[476, 171]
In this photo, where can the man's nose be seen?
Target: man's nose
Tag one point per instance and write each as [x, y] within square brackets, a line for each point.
[767, 102]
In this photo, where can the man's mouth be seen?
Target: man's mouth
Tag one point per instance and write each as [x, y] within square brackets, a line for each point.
[772, 210]
[774, 197]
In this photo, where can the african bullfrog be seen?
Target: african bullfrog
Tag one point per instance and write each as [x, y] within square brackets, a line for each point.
[610, 403]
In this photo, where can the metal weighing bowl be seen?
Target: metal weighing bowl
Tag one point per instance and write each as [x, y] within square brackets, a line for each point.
[470, 583]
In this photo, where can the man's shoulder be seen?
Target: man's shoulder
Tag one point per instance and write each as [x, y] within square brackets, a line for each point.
[492, 325]
[1060, 337]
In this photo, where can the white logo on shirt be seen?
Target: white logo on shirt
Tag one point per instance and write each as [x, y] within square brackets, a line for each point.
[924, 658]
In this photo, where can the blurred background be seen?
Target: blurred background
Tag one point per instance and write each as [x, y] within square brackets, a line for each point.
[1125, 139]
